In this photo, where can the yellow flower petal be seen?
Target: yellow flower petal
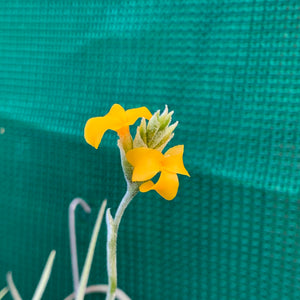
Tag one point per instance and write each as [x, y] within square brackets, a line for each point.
[167, 185]
[117, 112]
[146, 186]
[135, 113]
[173, 161]
[116, 119]
[146, 163]
[96, 127]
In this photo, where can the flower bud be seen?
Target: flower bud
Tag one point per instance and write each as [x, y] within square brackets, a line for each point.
[140, 139]
[157, 133]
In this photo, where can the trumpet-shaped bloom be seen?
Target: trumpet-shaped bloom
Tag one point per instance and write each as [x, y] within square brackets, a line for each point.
[117, 119]
[148, 162]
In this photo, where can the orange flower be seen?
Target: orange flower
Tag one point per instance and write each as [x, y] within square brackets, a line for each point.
[117, 119]
[148, 162]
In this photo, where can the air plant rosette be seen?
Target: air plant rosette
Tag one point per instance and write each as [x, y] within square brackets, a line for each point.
[142, 158]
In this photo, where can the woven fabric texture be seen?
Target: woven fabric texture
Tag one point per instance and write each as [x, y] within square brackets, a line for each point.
[230, 71]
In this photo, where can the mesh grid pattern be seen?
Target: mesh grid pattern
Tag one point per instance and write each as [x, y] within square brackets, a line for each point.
[229, 69]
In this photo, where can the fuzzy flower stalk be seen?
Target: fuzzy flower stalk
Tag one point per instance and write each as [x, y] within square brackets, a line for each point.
[141, 159]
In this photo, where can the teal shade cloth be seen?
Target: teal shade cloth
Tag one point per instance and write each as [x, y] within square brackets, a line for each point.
[229, 70]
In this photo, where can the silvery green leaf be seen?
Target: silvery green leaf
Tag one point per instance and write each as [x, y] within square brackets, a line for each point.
[90, 254]
[12, 288]
[3, 292]
[45, 277]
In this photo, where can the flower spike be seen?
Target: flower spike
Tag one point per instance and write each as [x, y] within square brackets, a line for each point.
[141, 160]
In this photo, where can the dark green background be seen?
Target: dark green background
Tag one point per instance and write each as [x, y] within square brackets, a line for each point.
[229, 70]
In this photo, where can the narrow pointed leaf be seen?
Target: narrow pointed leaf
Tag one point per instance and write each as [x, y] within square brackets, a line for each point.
[90, 254]
[45, 277]
[3, 292]
[12, 288]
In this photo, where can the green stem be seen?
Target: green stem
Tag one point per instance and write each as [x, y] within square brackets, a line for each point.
[112, 234]
[132, 190]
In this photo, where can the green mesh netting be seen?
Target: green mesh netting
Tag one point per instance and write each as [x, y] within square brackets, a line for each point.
[229, 70]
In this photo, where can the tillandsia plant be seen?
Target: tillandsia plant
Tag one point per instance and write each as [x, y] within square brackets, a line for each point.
[141, 159]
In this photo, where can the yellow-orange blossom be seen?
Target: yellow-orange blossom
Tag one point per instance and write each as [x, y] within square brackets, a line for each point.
[117, 119]
[148, 162]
